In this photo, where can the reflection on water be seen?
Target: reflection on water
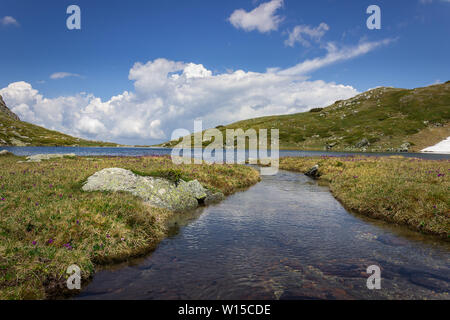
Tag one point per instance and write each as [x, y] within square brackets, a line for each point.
[285, 238]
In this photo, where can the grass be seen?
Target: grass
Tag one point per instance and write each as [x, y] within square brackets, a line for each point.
[386, 117]
[20, 133]
[406, 191]
[47, 223]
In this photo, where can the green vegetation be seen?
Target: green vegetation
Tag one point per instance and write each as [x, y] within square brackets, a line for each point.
[14, 132]
[381, 119]
[47, 223]
[407, 191]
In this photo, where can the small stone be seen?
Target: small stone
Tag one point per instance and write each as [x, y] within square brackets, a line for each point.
[313, 172]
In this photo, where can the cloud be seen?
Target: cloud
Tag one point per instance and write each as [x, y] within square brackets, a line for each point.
[62, 75]
[262, 18]
[431, 1]
[334, 55]
[9, 21]
[297, 34]
[168, 95]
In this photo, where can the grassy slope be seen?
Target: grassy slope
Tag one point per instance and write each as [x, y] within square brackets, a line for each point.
[387, 117]
[412, 192]
[13, 132]
[43, 201]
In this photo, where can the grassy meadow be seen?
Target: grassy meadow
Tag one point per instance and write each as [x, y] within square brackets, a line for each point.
[47, 223]
[406, 191]
[20, 133]
[385, 117]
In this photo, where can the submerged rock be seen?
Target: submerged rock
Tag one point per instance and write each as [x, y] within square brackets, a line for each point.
[313, 172]
[157, 192]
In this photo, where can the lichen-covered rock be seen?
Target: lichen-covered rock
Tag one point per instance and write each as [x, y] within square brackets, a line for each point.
[40, 157]
[404, 147]
[157, 192]
[5, 153]
[213, 197]
[363, 143]
[193, 187]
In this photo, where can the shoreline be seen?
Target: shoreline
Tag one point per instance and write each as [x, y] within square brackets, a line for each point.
[363, 187]
[393, 153]
[49, 223]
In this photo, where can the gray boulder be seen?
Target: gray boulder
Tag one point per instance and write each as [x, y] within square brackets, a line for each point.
[363, 143]
[40, 157]
[313, 172]
[157, 192]
[213, 197]
[404, 147]
[193, 187]
[330, 146]
[5, 153]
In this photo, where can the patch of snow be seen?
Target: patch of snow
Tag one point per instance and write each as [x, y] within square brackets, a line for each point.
[441, 147]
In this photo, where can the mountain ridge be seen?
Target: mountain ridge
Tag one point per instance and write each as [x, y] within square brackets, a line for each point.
[14, 132]
[383, 119]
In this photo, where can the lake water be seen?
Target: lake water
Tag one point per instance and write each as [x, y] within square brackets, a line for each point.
[93, 151]
[284, 238]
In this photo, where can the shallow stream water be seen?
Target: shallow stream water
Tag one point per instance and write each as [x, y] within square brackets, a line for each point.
[284, 238]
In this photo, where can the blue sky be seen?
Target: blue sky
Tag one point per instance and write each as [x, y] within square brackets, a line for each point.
[411, 49]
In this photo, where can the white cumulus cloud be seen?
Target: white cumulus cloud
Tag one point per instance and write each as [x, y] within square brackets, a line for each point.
[168, 95]
[262, 18]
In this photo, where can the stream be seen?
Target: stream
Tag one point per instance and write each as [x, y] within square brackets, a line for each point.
[284, 238]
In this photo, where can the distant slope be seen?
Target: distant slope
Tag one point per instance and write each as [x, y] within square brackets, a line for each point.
[14, 132]
[382, 119]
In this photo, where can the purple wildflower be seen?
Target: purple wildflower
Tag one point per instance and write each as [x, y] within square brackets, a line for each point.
[34, 243]
[50, 241]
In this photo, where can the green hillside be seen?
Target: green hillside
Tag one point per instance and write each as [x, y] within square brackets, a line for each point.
[382, 119]
[14, 132]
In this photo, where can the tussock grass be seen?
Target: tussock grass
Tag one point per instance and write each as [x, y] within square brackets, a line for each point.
[47, 223]
[407, 191]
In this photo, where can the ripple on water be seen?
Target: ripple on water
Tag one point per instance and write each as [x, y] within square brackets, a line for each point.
[284, 238]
